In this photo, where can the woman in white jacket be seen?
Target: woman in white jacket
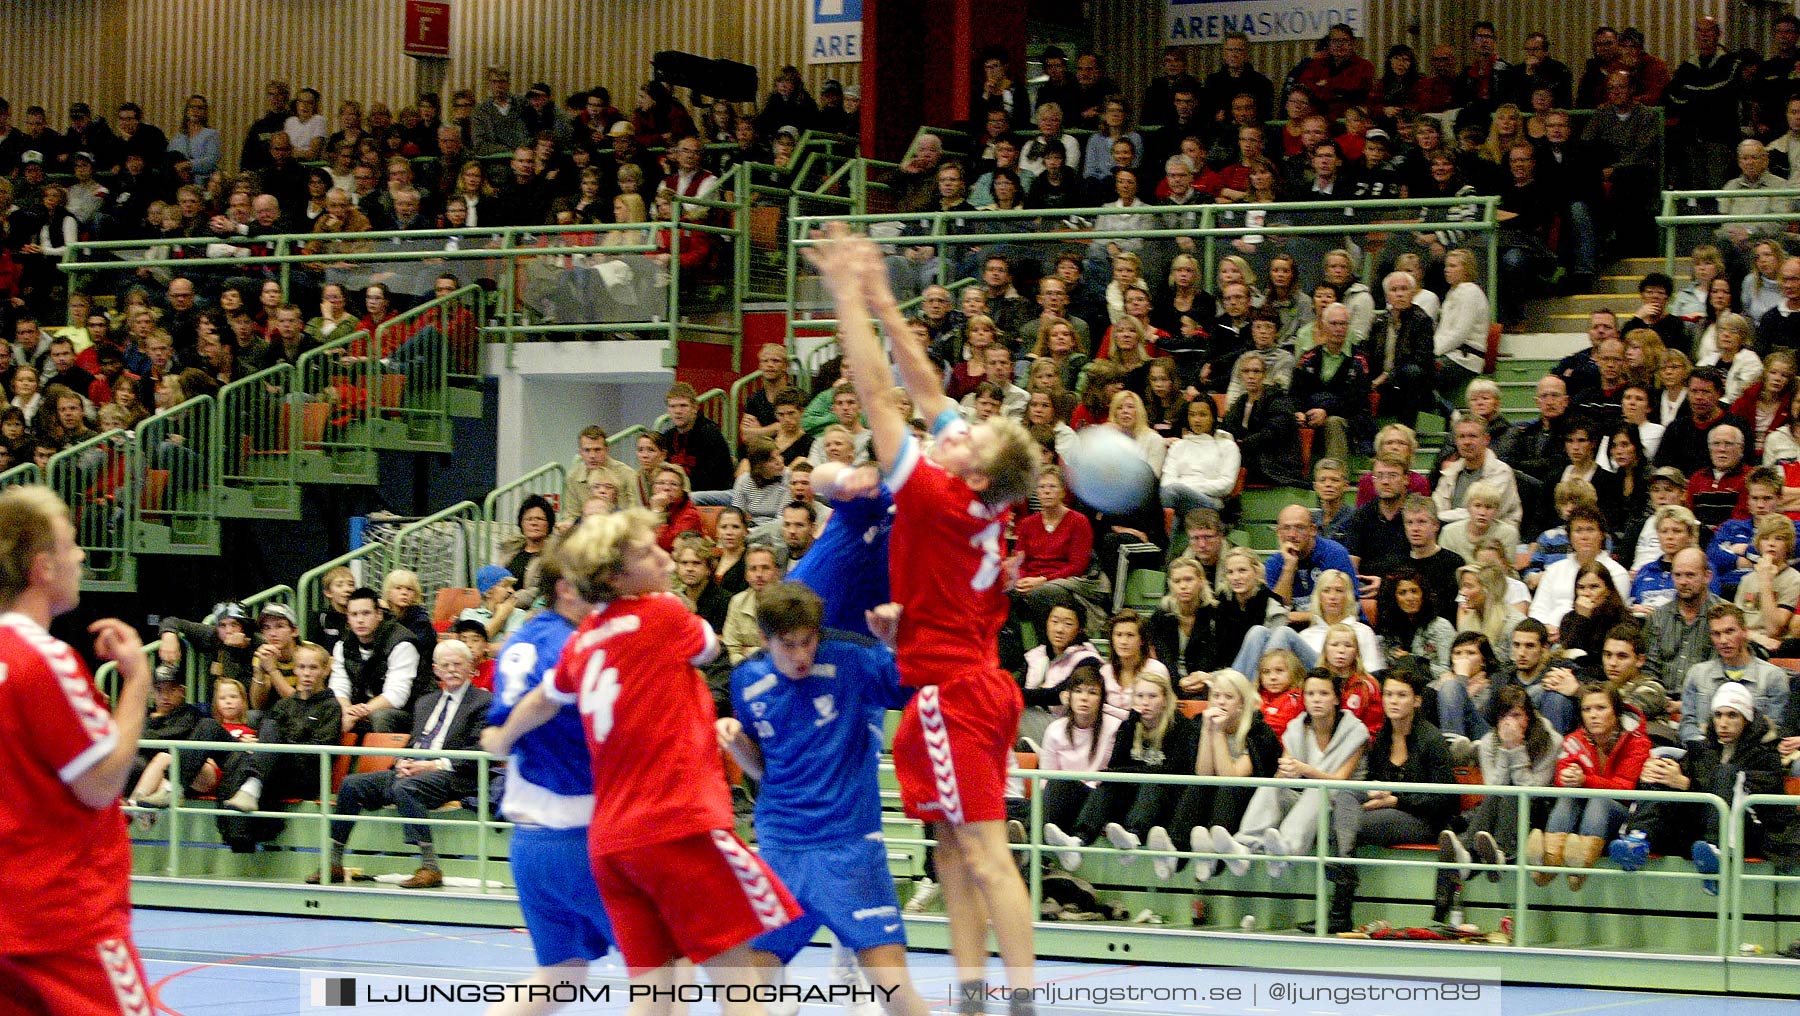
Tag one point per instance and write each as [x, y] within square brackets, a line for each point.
[1202, 467]
[1462, 327]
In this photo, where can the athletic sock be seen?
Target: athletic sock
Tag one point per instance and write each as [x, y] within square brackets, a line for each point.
[1022, 1004]
[337, 854]
[253, 787]
[428, 856]
[973, 994]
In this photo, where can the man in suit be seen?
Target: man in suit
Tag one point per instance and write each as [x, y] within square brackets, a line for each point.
[449, 719]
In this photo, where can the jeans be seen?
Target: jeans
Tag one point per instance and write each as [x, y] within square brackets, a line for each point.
[1263, 639]
[1585, 242]
[1457, 712]
[1593, 816]
[1385, 827]
[1184, 499]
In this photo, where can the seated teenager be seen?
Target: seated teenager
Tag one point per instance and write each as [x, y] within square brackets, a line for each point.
[1483, 505]
[1245, 602]
[1596, 609]
[1552, 545]
[1465, 689]
[200, 768]
[1407, 621]
[1739, 755]
[1234, 741]
[1082, 740]
[1622, 659]
[1050, 668]
[1482, 607]
[1407, 749]
[1181, 632]
[1607, 752]
[1154, 738]
[1520, 751]
[1128, 658]
[1732, 551]
[1323, 743]
[1769, 591]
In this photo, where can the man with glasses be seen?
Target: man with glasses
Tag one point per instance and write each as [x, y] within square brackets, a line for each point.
[1339, 77]
[1481, 86]
[1686, 445]
[1303, 556]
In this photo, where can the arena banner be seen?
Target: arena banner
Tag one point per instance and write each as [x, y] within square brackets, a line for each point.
[1206, 22]
[833, 31]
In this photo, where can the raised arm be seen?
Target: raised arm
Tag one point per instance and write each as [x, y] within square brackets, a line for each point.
[839, 260]
[910, 356]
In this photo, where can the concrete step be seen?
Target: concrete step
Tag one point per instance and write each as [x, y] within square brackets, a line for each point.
[1621, 302]
[1644, 266]
[1562, 322]
[1619, 285]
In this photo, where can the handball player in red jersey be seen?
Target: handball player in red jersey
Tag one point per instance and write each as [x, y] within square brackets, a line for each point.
[949, 573]
[65, 928]
[675, 879]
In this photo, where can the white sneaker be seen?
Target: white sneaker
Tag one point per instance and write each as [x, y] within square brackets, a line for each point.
[1199, 840]
[925, 893]
[849, 974]
[1164, 864]
[1275, 846]
[1225, 843]
[1451, 850]
[158, 798]
[242, 801]
[1054, 836]
[1125, 840]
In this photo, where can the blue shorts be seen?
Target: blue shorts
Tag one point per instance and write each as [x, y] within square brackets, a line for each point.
[844, 886]
[562, 907]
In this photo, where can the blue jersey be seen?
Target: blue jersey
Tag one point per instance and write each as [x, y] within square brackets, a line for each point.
[820, 738]
[848, 564]
[550, 782]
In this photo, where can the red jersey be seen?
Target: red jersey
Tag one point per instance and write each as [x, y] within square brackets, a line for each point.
[67, 876]
[658, 774]
[1280, 709]
[945, 558]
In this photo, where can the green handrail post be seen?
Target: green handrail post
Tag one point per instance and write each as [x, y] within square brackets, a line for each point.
[259, 474]
[468, 514]
[329, 374]
[99, 479]
[325, 819]
[178, 458]
[23, 474]
[421, 404]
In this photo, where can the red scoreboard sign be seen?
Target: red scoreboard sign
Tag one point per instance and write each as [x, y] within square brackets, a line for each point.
[427, 28]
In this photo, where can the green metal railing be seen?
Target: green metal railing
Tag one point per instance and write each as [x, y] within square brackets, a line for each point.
[99, 480]
[178, 509]
[1673, 219]
[340, 375]
[23, 474]
[460, 523]
[377, 558]
[500, 509]
[484, 822]
[420, 353]
[623, 444]
[260, 437]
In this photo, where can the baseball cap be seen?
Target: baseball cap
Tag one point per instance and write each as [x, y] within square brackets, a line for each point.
[490, 576]
[537, 88]
[622, 129]
[469, 624]
[32, 158]
[788, 130]
[1377, 135]
[279, 610]
[1053, 53]
[80, 109]
[1669, 474]
[230, 611]
[84, 156]
[831, 85]
[168, 673]
[853, 92]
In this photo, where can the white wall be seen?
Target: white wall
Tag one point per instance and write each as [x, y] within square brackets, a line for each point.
[554, 389]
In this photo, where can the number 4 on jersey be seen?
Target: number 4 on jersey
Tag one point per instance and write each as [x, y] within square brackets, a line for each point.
[599, 691]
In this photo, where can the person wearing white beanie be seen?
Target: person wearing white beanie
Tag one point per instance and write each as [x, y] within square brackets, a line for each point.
[1737, 754]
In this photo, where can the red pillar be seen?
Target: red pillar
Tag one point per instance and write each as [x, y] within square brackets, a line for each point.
[920, 62]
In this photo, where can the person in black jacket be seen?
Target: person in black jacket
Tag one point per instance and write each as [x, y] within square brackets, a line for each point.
[1234, 741]
[1262, 420]
[1407, 749]
[1155, 738]
[1739, 746]
[311, 715]
[1331, 386]
[172, 717]
[695, 441]
[375, 671]
[1180, 633]
[1400, 353]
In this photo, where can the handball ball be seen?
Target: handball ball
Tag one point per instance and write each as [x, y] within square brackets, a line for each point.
[1107, 472]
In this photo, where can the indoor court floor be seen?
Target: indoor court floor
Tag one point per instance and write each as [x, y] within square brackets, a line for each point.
[205, 963]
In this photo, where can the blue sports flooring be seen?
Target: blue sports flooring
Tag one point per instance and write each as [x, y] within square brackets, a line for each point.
[212, 963]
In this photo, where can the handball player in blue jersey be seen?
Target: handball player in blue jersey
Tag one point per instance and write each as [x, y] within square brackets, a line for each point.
[848, 564]
[809, 713]
[550, 799]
